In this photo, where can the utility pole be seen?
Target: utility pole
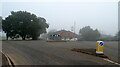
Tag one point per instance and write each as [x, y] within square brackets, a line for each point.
[74, 26]
[74, 29]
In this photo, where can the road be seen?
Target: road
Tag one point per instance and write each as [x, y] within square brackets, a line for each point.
[0, 58]
[50, 53]
[110, 48]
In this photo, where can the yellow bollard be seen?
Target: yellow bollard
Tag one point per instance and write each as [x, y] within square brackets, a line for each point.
[99, 47]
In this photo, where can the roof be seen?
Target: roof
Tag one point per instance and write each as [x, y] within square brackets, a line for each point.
[66, 34]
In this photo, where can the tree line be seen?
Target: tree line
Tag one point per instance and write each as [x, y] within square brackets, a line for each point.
[88, 34]
[0, 23]
[24, 24]
[28, 26]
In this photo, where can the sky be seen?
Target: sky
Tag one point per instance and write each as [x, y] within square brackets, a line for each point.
[59, 0]
[62, 14]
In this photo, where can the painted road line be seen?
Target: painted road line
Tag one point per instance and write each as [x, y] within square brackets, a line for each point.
[111, 61]
[8, 59]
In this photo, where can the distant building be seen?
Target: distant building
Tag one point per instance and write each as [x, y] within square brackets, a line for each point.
[63, 35]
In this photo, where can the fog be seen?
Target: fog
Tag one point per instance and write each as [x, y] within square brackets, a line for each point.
[63, 15]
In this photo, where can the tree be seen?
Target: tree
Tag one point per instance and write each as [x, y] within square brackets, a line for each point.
[106, 37]
[117, 36]
[0, 23]
[24, 24]
[51, 31]
[88, 33]
[38, 28]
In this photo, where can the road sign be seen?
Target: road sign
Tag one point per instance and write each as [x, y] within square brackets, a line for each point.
[99, 47]
[101, 44]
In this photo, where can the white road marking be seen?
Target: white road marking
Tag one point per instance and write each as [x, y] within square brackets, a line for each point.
[111, 61]
[7, 58]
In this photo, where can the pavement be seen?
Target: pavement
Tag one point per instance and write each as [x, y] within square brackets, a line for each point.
[53, 53]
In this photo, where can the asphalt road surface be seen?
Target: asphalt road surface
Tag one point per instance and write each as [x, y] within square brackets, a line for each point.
[54, 53]
[0, 53]
[0, 58]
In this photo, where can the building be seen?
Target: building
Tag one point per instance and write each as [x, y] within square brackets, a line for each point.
[63, 35]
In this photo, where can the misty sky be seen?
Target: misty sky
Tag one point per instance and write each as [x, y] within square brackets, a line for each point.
[62, 15]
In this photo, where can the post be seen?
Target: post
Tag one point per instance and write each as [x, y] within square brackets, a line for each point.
[74, 26]
[74, 29]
